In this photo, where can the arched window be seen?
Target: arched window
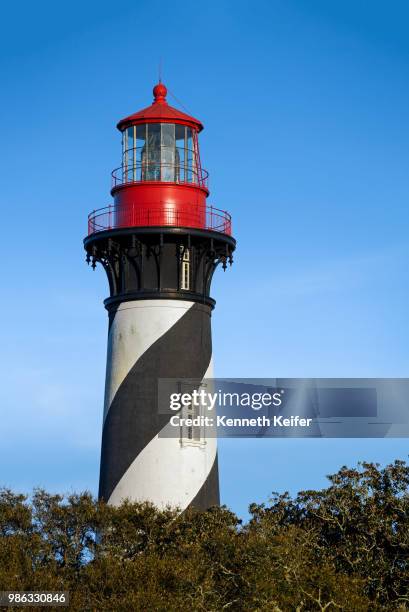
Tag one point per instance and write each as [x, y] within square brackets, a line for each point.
[185, 270]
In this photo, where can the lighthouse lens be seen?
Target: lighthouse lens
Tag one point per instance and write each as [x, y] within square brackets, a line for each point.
[153, 153]
[168, 152]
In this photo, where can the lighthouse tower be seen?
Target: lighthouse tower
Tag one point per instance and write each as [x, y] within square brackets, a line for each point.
[159, 243]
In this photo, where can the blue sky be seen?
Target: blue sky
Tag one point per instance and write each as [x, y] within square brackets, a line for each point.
[305, 106]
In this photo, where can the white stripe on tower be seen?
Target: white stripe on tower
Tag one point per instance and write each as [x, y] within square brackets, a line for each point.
[151, 339]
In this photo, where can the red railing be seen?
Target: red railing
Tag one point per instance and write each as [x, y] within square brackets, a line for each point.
[117, 216]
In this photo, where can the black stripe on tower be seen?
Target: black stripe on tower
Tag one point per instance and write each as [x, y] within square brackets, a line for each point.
[184, 351]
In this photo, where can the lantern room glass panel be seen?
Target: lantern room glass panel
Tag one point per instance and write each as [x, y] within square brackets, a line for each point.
[168, 152]
[141, 135]
[180, 135]
[129, 154]
[190, 178]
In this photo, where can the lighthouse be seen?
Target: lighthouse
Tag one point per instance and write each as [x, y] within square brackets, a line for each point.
[159, 242]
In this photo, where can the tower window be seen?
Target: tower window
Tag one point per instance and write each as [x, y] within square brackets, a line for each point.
[185, 270]
[195, 434]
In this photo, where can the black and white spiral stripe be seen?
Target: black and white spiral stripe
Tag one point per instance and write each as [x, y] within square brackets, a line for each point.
[147, 340]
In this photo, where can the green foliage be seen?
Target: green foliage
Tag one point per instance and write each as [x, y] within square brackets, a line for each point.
[342, 548]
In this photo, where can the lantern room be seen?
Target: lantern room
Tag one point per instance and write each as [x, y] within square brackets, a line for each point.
[160, 181]
[166, 152]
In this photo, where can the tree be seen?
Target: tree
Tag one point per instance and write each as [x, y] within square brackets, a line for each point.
[342, 548]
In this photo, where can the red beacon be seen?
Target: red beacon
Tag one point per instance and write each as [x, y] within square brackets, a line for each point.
[161, 181]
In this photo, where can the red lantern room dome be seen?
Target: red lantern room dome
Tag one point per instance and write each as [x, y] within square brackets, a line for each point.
[160, 181]
[160, 110]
